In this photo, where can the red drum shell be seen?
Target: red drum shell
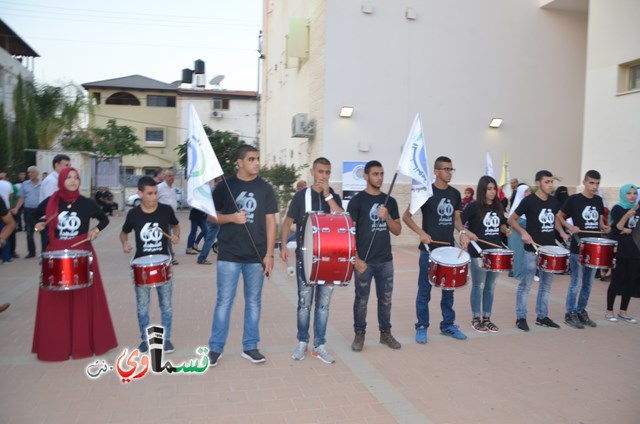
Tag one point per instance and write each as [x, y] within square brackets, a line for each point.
[553, 259]
[66, 269]
[151, 270]
[328, 249]
[500, 260]
[448, 268]
[598, 253]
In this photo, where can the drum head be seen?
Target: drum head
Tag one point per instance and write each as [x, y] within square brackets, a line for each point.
[450, 256]
[498, 251]
[598, 240]
[554, 250]
[66, 253]
[308, 227]
[150, 260]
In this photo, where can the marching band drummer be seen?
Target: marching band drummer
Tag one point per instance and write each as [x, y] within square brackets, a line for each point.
[149, 221]
[540, 209]
[74, 323]
[318, 198]
[440, 214]
[586, 211]
[486, 219]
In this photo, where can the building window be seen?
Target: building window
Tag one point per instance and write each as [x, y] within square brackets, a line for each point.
[221, 104]
[123, 98]
[154, 135]
[629, 77]
[96, 97]
[161, 101]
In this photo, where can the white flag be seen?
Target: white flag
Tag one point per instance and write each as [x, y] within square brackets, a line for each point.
[488, 169]
[414, 163]
[202, 166]
[505, 178]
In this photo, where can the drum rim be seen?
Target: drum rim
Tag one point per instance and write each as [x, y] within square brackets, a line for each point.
[450, 249]
[598, 240]
[507, 252]
[162, 262]
[548, 250]
[66, 253]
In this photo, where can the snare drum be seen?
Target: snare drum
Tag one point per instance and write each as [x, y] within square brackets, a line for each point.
[328, 249]
[596, 252]
[151, 270]
[448, 268]
[66, 269]
[553, 259]
[497, 260]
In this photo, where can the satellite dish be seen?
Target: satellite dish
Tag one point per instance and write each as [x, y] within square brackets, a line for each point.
[216, 80]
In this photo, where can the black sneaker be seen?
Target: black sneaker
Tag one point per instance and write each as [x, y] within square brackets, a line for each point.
[521, 323]
[358, 342]
[583, 316]
[254, 356]
[546, 322]
[214, 357]
[571, 319]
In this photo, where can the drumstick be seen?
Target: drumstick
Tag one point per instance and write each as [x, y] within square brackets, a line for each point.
[80, 242]
[590, 232]
[490, 244]
[475, 245]
[441, 242]
[165, 234]
[51, 218]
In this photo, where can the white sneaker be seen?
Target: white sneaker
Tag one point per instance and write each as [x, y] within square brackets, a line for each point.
[536, 278]
[300, 351]
[321, 353]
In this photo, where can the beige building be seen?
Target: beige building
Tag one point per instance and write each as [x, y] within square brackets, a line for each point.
[458, 64]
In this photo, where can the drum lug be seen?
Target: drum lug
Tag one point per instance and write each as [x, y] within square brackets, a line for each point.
[342, 230]
[326, 230]
[342, 259]
[352, 230]
[314, 229]
[75, 279]
[51, 280]
[314, 259]
[90, 277]
[90, 259]
[75, 262]
[50, 263]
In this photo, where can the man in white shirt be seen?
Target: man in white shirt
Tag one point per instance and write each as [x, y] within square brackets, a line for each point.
[50, 184]
[6, 189]
[167, 195]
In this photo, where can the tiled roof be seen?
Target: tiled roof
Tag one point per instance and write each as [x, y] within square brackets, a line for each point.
[139, 82]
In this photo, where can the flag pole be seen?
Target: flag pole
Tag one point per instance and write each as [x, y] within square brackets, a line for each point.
[385, 205]
[253, 243]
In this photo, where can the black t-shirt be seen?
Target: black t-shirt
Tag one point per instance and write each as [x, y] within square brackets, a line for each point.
[486, 226]
[541, 218]
[438, 215]
[257, 199]
[626, 246]
[148, 229]
[585, 214]
[297, 208]
[74, 218]
[3, 208]
[363, 208]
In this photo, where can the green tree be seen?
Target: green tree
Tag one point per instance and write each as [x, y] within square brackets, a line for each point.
[282, 178]
[5, 159]
[224, 145]
[116, 140]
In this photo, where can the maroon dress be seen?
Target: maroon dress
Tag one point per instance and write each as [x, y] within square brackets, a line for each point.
[74, 323]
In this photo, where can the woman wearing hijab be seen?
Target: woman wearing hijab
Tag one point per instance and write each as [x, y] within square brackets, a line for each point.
[74, 323]
[515, 240]
[624, 217]
[468, 197]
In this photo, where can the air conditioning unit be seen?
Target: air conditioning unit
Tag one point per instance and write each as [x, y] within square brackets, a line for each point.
[216, 114]
[302, 126]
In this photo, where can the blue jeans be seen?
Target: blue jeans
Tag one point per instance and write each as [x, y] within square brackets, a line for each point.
[482, 289]
[383, 274]
[228, 275]
[5, 252]
[195, 224]
[424, 296]
[526, 277]
[210, 237]
[515, 244]
[165, 296]
[321, 312]
[581, 280]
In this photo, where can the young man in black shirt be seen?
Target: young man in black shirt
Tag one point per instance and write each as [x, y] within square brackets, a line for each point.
[586, 210]
[246, 207]
[440, 215]
[148, 221]
[318, 198]
[375, 215]
[540, 209]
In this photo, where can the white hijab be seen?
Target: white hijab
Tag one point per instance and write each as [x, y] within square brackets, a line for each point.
[519, 196]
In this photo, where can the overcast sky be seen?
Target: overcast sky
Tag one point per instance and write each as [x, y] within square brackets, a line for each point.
[85, 41]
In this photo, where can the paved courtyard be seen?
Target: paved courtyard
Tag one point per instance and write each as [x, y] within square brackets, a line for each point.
[544, 376]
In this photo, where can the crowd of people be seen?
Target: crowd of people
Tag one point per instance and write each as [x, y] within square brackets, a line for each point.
[77, 323]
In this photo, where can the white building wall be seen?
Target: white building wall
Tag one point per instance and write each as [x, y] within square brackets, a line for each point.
[612, 121]
[10, 70]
